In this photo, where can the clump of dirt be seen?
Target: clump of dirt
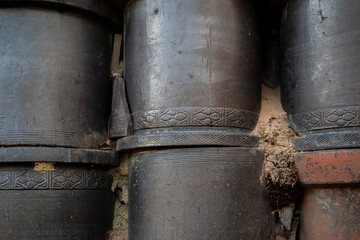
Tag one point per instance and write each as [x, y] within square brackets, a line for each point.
[280, 173]
[118, 234]
[275, 140]
[120, 187]
[44, 166]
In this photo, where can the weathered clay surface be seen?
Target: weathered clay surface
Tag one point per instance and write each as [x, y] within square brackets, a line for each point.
[330, 214]
[329, 167]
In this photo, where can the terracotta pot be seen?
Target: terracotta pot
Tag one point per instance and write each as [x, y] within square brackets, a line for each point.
[330, 206]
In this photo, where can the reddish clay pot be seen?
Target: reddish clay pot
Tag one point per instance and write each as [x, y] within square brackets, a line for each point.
[330, 207]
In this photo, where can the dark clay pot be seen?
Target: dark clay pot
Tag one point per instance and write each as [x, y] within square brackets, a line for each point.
[321, 61]
[191, 66]
[55, 88]
[198, 193]
[71, 201]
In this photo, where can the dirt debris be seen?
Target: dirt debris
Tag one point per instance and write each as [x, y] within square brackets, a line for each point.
[44, 166]
[118, 234]
[275, 139]
[120, 187]
[280, 174]
[107, 144]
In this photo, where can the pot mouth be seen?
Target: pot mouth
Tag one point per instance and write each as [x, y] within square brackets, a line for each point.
[104, 9]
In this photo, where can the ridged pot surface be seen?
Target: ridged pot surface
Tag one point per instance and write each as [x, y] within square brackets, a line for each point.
[192, 63]
[198, 193]
[55, 88]
[321, 64]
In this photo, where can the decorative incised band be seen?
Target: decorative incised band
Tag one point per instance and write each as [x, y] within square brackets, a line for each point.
[58, 179]
[194, 116]
[327, 118]
[252, 158]
[328, 141]
[191, 138]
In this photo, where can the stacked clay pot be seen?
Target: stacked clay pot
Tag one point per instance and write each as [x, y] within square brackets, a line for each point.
[55, 95]
[192, 75]
[321, 96]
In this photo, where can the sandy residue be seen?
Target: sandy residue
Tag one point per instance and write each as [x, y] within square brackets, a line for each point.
[275, 140]
[120, 187]
[44, 166]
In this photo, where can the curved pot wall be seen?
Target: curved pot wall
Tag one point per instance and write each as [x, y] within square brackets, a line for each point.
[55, 88]
[192, 64]
[321, 64]
[198, 193]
